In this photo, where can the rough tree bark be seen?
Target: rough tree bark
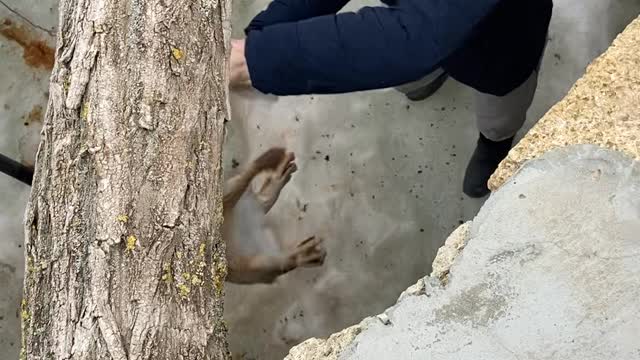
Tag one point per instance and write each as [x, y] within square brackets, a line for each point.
[123, 246]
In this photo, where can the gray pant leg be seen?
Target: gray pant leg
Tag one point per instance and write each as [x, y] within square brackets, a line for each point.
[497, 117]
[500, 117]
[414, 85]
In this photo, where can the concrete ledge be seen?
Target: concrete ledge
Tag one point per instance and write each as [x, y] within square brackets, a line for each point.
[602, 108]
[549, 269]
[332, 348]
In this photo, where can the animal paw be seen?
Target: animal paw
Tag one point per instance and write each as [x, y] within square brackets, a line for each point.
[308, 253]
[286, 168]
[270, 159]
[275, 182]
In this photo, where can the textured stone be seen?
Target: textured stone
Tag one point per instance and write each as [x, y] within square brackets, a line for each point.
[449, 251]
[550, 270]
[601, 108]
[330, 349]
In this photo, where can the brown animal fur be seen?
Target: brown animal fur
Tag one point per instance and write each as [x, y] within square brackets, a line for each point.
[248, 255]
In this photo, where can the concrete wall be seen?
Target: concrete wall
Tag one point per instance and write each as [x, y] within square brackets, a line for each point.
[549, 270]
[385, 200]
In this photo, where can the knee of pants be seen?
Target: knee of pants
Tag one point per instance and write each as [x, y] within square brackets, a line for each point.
[500, 117]
[498, 129]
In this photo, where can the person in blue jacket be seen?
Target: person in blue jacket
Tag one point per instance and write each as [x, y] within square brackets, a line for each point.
[297, 47]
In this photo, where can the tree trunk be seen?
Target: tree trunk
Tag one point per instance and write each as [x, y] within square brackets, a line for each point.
[123, 245]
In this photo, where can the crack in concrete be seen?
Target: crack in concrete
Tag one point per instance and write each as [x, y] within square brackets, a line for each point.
[515, 356]
[18, 14]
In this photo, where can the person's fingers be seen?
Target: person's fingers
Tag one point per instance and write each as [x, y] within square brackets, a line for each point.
[238, 69]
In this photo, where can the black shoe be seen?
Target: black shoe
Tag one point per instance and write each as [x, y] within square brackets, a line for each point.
[483, 163]
[427, 90]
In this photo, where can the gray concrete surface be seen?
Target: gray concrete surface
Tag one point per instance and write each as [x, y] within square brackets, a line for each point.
[382, 217]
[550, 271]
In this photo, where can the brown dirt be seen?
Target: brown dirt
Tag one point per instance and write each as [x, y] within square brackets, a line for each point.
[35, 115]
[36, 53]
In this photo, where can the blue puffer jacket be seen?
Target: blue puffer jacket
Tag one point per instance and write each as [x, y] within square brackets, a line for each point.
[303, 47]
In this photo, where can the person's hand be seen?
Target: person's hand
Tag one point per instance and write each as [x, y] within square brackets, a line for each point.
[238, 70]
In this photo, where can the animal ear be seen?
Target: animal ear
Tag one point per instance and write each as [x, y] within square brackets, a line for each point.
[270, 159]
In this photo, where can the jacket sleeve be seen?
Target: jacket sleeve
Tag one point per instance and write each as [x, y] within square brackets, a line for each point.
[373, 48]
[283, 11]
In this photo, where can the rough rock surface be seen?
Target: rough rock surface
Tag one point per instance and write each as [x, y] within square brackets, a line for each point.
[601, 108]
[550, 270]
[449, 251]
[330, 349]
